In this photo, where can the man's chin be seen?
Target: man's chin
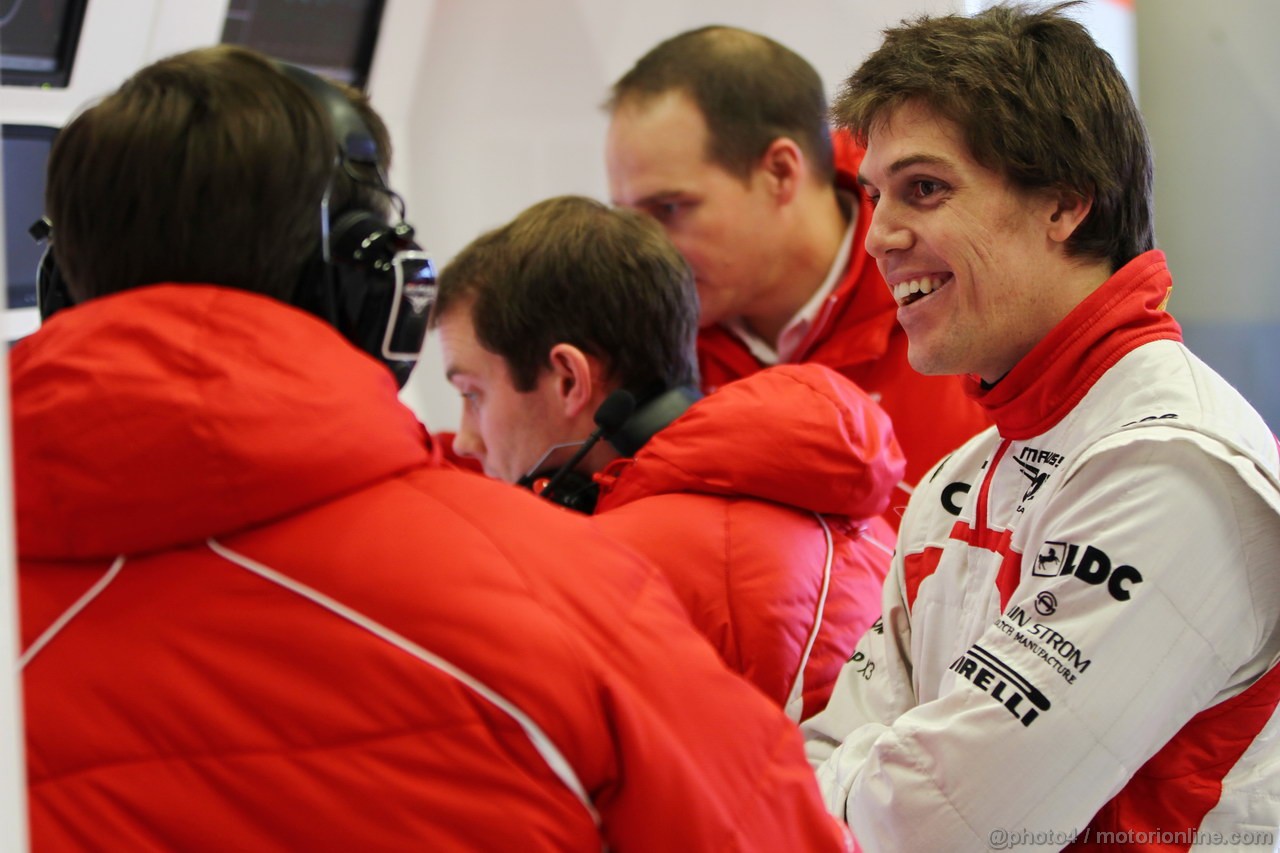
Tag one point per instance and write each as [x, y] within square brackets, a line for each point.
[927, 363]
[707, 319]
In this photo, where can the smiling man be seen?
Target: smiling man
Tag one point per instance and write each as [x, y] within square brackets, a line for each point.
[1087, 655]
[721, 135]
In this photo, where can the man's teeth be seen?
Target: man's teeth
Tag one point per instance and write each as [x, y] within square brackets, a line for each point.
[904, 290]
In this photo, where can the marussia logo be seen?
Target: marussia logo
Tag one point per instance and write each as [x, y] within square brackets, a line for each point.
[1030, 460]
[1090, 564]
[1035, 475]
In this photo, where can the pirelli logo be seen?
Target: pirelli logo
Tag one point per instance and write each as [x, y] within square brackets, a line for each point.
[1002, 683]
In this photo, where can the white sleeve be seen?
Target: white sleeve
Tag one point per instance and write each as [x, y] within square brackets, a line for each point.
[873, 689]
[1051, 711]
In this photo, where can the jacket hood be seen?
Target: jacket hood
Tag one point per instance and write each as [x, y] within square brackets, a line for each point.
[800, 435]
[164, 415]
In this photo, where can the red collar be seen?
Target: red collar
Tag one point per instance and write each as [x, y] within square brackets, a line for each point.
[1125, 312]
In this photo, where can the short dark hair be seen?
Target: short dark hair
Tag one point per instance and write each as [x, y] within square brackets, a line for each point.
[1037, 100]
[749, 88]
[205, 167]
[572, 270]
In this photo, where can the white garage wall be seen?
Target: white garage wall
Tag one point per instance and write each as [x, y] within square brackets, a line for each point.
[506, 111]
[1211, 94]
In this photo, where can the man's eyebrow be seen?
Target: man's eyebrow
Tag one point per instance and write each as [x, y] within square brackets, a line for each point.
[452, 371]
[907, 162]
[659, 197]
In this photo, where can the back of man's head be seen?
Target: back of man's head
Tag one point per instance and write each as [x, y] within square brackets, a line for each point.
[206, 167]
[750, 91]
[572, 270]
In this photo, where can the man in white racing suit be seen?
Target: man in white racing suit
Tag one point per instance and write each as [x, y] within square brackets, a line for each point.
[1081, 625]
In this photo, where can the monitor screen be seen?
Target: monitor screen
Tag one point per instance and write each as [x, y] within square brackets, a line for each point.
[332, 38]
[38, 41]
[26, 155]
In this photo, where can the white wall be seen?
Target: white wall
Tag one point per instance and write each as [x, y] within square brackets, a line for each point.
[506, 111]
[1211, 95]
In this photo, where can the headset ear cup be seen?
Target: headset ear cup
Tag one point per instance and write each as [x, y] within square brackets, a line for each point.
[356, 284]
[336, 291]
[365, 279]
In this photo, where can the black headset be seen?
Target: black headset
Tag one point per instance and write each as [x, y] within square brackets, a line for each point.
[367, 278]
[51, 290]
[627, 426]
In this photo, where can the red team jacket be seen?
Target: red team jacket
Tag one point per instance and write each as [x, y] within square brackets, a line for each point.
[256, 613]
[762, 504]
[857, 334]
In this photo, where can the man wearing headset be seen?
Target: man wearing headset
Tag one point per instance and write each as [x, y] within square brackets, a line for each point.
[256, 610]
[760, 502]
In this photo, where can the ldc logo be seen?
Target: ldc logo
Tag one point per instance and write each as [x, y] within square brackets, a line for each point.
[1093, 566]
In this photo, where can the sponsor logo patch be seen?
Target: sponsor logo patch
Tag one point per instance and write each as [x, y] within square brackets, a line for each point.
[1048, 644]
[953, 497]
[1002, 683]
[1168, 416]
[1034, 464]
[1089, 564]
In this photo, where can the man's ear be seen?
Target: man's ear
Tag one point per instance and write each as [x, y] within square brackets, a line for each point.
[783, 166]
[1067, 211]
[576, 376]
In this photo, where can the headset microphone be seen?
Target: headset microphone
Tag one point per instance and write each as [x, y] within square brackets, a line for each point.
[609, 418]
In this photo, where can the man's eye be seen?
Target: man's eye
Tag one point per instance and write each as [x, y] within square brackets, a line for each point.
[666, 211]
[925, 189]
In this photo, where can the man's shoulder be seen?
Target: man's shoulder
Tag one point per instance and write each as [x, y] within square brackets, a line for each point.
[521, 531]
[1162, 391]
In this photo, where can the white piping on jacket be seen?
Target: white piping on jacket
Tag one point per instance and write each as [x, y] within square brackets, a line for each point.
[70, 613]
[883, 547]
[795, 700]
[541, 742]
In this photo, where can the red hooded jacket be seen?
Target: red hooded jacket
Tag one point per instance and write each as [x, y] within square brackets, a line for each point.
[256, 614]
[762, 504]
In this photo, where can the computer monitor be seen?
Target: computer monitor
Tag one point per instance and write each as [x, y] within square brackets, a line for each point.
[38, 40]
[26, 155]
[332, 38]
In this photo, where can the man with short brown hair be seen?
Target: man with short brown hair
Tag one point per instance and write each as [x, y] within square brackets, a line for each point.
[1087, 655]
[722, 136]
[569, 332]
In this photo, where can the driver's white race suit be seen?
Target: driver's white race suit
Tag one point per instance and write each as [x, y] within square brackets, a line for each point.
[1081, 626]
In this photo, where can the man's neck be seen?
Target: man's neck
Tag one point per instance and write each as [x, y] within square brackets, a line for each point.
[816, 235]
